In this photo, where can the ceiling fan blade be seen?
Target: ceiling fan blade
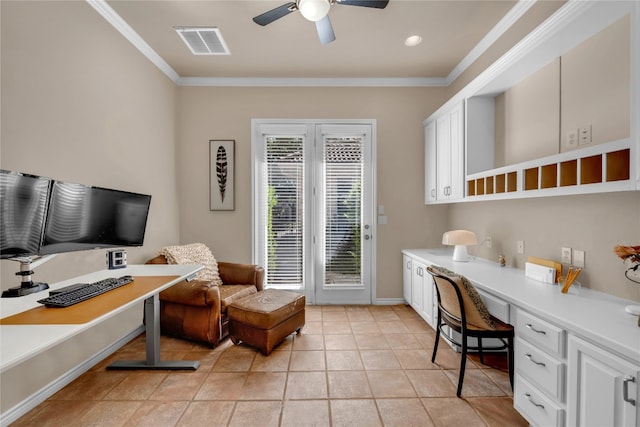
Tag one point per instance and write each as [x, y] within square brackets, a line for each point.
[381, 4]
[273, 14]
[325, 30]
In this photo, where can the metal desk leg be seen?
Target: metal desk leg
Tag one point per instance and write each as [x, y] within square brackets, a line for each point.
[152, 318]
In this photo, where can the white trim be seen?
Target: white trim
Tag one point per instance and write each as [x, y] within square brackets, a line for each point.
[121, 25]
[65, 379]
[496, 32]
[313, 82]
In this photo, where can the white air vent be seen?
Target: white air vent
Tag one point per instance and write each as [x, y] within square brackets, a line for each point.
[203, 41]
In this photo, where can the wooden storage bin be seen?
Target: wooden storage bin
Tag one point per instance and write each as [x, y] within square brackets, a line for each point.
[531, 179]
[568, 173]
[549, 176]
[500, 183]
[512, 181]
[591, 169]
[618, 165]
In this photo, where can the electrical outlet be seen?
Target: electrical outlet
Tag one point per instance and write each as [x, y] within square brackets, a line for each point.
[566, 255]
[578, 259]
[584, 135]
[572, 139]
[489, 242]
[520, 245]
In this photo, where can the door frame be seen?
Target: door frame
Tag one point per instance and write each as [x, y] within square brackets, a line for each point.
[256, 138]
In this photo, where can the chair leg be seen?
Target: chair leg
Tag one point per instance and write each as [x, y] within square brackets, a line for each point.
[510, 359]
[480, 350]
[435, 345]
[463, 364]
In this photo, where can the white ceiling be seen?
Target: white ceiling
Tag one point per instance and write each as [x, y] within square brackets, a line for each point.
[369, 42]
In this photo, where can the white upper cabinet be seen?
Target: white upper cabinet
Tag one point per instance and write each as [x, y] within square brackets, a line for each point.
[444, 156]
[430, 162]
[558, 114]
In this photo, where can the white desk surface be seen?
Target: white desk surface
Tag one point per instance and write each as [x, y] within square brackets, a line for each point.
[21, 342]
[596, 316]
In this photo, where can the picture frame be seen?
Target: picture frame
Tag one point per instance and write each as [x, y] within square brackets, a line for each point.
[222, 174]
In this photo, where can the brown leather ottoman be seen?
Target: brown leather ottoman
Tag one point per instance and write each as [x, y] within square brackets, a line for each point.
[265, 319]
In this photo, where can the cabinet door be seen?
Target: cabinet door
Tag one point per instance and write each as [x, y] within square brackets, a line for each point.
[450, 154]
[427, 299]
[406, 278]
[443, 156]
[456, 180]
[430, 169]
[416, 286]
[602, 387]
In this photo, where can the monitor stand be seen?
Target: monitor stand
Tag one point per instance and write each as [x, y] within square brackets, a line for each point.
[27, 286]
[25, 289]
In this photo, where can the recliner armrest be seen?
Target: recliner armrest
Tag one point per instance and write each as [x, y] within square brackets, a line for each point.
[195, 292]
[241, 274]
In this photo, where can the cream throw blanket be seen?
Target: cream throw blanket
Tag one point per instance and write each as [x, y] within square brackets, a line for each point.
[194, 253]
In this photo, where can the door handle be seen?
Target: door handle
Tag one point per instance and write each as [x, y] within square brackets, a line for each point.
[625, 389]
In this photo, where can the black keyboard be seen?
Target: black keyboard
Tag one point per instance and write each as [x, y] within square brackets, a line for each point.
[85, 291]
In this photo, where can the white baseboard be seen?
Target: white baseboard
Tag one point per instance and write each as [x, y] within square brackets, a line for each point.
[58, 384]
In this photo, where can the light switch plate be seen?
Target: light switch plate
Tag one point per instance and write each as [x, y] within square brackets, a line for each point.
[578, 258]
[566, 255]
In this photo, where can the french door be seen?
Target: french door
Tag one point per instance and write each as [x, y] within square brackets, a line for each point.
[313, 208]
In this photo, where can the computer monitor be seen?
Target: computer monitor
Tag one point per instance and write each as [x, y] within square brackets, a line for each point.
[82, 217]
[23, 206]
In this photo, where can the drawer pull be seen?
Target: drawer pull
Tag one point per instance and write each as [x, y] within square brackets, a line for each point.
[538, 405]
[530, 357]
[537, 331]
[625, 389]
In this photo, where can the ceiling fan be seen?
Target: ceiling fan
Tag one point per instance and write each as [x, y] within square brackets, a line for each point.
[316, 11]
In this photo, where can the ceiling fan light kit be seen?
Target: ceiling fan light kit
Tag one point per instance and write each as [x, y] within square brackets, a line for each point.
[316, 11]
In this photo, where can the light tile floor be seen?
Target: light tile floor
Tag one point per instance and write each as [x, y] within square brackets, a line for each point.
[351, 366]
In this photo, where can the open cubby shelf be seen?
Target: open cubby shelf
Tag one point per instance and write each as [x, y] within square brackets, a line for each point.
[608, 166]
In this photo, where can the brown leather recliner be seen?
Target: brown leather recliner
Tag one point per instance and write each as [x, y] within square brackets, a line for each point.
[197, 310]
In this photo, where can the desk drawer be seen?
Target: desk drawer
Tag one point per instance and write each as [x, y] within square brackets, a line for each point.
[540, 333]
[497, 307]
[540, 368]
[535, 406]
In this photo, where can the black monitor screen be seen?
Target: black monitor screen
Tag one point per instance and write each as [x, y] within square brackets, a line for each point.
[23, 205]
[81, 217]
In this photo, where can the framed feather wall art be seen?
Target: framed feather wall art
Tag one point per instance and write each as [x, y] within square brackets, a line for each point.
[221, 174]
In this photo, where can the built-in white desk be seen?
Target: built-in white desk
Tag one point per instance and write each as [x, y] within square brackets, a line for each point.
[577, 354]
[20, 342]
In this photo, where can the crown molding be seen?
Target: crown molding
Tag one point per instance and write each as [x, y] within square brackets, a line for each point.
[496, 32]
[313, 82]
[134, 38]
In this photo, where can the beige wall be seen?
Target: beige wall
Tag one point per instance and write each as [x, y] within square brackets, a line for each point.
[596, 85]
[80, 103]
[593, 223]
[226, 113]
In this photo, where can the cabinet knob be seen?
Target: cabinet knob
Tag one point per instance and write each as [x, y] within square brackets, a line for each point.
[625, 389]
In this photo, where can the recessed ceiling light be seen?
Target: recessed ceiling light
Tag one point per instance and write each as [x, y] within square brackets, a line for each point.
[413, 41]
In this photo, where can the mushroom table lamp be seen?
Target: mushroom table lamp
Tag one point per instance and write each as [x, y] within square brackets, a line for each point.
[460, 239]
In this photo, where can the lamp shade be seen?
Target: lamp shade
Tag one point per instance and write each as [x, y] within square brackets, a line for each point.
[314, 10]
[460, 239]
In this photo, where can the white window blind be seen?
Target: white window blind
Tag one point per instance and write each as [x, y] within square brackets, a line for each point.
[283, 211]
[343, 180]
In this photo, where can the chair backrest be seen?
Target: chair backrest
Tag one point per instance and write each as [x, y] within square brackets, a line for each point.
[460, 300]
